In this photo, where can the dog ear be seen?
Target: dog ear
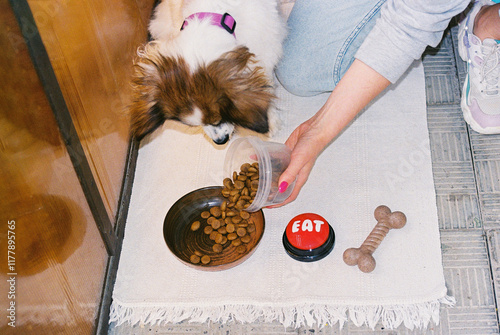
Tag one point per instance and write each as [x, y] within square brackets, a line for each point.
[246, 89]
[160, 85]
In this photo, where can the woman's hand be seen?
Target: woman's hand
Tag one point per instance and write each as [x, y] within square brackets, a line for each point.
[306, 144]
[355, 90]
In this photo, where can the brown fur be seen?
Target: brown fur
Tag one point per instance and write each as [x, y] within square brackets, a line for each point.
[230, 89]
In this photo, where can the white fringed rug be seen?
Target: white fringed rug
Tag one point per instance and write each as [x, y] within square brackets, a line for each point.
[382, 158]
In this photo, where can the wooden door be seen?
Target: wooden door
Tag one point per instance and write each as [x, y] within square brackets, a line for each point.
[91, 45]
[53, 262]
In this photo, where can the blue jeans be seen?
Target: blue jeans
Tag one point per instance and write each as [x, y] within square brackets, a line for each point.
[323, 37]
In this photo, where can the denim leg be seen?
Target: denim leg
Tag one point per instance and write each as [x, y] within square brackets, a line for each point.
[323, 37]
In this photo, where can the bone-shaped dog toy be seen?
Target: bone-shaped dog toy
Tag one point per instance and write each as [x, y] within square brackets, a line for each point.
[362, 256]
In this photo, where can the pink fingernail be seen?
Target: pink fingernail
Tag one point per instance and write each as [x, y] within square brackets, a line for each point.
[283, 186]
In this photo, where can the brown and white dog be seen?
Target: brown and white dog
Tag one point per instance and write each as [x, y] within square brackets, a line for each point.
[210, 63]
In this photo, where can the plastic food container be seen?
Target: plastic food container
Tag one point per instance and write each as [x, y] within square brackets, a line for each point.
[273, 159]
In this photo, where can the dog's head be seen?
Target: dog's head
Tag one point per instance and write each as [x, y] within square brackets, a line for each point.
[227, 92]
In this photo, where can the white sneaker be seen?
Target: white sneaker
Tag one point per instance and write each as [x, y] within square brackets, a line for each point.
[481, 91]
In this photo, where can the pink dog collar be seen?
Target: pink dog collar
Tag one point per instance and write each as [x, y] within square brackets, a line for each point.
[225, 20]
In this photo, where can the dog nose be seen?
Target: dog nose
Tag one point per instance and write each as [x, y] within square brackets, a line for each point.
[221, 140]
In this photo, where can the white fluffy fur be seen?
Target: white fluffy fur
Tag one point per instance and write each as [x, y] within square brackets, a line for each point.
[259, 27]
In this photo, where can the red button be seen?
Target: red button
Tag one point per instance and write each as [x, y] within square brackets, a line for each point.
[307, 231]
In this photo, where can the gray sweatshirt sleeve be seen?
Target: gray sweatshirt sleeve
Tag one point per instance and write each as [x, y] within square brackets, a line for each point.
[403, 31]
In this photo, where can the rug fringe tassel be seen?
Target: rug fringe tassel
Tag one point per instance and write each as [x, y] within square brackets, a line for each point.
[412, 316]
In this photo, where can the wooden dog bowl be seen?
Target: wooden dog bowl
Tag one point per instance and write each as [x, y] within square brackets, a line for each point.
[183, 242]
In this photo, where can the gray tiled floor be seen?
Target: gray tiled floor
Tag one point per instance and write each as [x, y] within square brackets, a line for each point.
[466, 169]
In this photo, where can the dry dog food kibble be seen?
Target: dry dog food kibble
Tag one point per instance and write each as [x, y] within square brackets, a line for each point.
[195, 225]
[241, 232]
[215, 211]
[217, 247]
[195, 259]
[229, 224]
[245, 239]
[216, 224]
[230, 228]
